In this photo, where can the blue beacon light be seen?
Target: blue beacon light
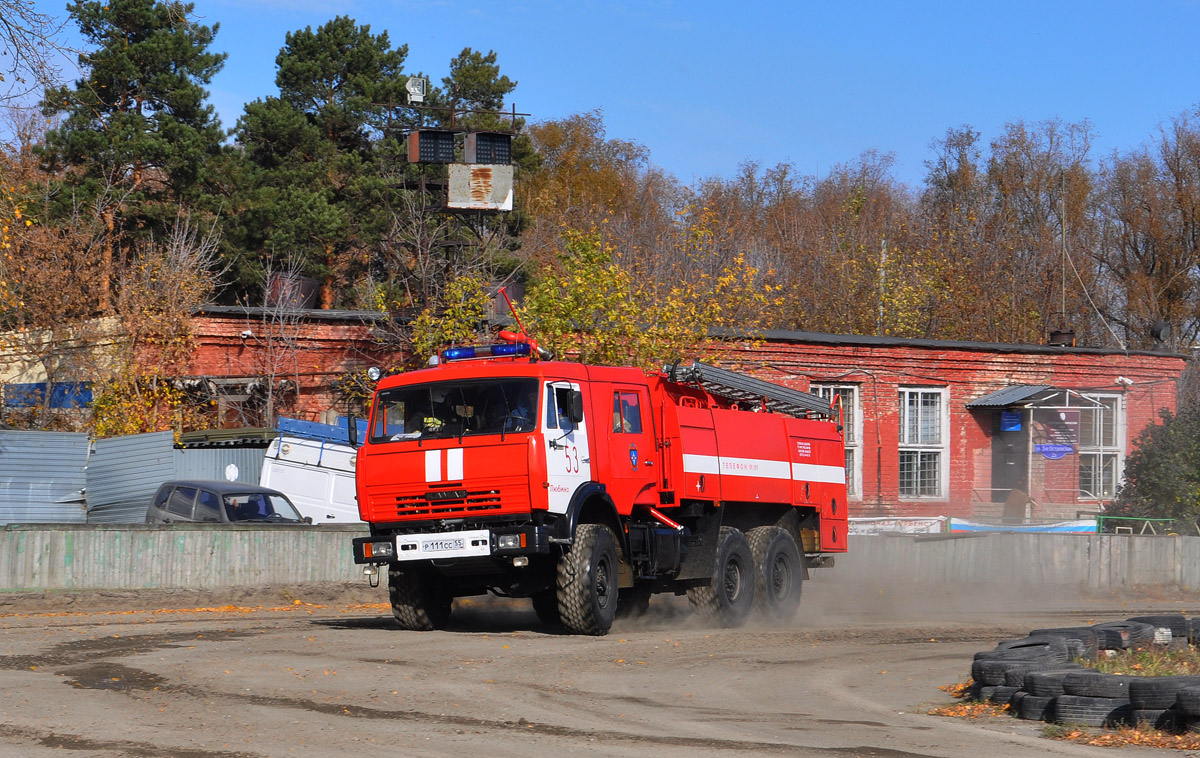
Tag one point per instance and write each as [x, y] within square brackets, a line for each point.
[484, 351]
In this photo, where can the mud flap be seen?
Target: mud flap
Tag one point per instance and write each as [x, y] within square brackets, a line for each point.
[701, 552]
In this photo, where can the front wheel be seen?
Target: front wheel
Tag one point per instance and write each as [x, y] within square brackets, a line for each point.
[587, 581]
[420, 599]
[778, 572]
[729, 597]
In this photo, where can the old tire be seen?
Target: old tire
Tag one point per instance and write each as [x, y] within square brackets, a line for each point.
[1002, 695]
[1092, 711]
[545, 605]
[420, 599]
[1036, 708]
[729, 597]
[1176, 623]
[1084, 635]
[1119, 635]
[1187, 700]
[1158, 692]
[587, 581]
[1042, 649]
[1017, 675]
[1047, 683]
[1092, 683]
[778, 572]
[1163, 719]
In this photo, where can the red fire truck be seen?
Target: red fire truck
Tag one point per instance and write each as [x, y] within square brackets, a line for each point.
[589, 488]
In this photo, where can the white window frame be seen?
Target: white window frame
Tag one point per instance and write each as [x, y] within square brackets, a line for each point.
[851, 435]
[1100, 450]
[941, 447]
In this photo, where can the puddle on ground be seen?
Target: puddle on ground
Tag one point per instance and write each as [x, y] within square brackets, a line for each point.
[112, 676]
[86, 651]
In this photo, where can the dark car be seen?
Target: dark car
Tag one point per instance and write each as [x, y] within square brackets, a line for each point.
[218, 502]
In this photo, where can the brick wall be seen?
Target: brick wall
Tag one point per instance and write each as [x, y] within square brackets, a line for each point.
[880, 368]
[312, 353]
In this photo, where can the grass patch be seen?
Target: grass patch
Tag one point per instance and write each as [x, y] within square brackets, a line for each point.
[1153, 661]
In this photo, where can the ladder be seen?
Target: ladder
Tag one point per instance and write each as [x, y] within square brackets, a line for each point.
[746, 389]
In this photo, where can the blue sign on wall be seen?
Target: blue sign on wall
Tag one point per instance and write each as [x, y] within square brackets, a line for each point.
[1010, 421]
[1054, 452]
[62, 394]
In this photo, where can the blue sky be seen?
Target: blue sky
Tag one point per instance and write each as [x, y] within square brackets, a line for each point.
[707, 85]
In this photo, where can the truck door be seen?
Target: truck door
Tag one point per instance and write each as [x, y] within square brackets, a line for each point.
[568, 457]
[633, 455]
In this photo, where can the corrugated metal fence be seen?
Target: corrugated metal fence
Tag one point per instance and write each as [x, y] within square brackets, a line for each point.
[45, 477]
[124, 473]
[42, 477]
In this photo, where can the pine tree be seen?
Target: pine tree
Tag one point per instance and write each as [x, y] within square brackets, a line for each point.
[137, 132]
[319, 197]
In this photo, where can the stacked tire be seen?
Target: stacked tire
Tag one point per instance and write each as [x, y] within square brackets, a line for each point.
[1040, 677]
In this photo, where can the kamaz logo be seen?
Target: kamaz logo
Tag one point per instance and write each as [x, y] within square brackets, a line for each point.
[436, 496]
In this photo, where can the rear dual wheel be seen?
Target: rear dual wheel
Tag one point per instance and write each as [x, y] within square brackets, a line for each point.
[778, 573]
[729, 597]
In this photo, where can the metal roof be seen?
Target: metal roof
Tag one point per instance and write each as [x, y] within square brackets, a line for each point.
[859, 340]
[242, 437]
[317, 314]
[1017, 394]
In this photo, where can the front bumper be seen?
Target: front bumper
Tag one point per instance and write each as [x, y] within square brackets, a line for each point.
[472, 543]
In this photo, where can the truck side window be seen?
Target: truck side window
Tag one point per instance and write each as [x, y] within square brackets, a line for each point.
[627, 413]
[557, 416]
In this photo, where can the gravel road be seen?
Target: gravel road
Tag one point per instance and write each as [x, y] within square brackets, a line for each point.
[322, 671]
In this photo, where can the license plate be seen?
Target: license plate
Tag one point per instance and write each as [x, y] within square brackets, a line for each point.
[438, 546]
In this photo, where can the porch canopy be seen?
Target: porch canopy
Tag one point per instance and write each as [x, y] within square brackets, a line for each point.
[1031, 396]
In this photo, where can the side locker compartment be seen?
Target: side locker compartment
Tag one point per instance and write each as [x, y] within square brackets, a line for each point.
[670, 446]
[819, 473]
[754, 458]
[835, 510]
[697, 456]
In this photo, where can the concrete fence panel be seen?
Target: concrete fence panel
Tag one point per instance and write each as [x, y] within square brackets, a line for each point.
[1019, 561]
[197, 556]
[176, 556]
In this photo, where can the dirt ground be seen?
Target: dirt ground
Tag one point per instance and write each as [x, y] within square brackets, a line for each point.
[321, 670]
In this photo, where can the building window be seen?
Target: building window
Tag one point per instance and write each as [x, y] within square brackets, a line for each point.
[847, 394]
[1100, 425]
[924, 430]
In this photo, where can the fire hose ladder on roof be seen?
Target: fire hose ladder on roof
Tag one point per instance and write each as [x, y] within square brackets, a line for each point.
[746, 389]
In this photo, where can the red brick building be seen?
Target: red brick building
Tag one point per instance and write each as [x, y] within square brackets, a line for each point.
[964, 429]
[256, 364]
[974, 430]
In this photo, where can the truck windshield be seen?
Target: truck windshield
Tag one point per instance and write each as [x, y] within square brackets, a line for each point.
[455, 409]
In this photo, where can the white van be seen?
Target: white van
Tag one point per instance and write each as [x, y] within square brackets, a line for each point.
[316, 475]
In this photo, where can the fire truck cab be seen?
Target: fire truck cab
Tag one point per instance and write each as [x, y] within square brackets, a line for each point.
[588, 488]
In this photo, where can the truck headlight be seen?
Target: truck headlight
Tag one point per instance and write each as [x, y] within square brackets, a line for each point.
[508, 541]
[379, 549]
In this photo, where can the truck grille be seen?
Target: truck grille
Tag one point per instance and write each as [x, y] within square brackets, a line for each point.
[439, 502]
